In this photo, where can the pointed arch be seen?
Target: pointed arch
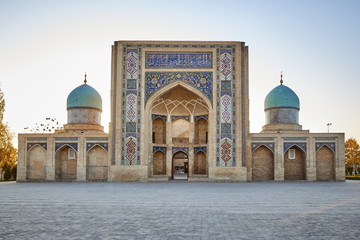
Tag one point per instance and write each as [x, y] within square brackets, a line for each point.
[36, 163]
[262, 164]
[325, 163]
[295, 168]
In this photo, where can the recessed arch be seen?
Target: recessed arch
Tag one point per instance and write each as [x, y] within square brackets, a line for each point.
[180, 165]
[65, 167]
[167, 88]
[97, 164]
[262, 164]
[295, 168]
[200, 163]
[325, 163]
[35, 164]
[159, 163]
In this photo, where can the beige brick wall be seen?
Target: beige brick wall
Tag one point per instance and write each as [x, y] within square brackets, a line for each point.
[295, 168]
[262, 164]
[325, 169]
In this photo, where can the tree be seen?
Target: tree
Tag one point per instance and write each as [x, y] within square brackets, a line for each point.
[352, 154]
[8, 154]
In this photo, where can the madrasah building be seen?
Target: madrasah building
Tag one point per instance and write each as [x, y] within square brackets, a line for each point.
[180, 110]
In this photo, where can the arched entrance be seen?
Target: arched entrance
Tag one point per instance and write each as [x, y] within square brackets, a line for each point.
[180, 166]
[179, 118]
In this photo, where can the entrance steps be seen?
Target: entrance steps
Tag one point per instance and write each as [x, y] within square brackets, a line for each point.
[158, 178]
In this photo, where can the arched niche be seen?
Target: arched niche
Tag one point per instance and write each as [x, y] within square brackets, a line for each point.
[65, 163]
[159, 131]
[295, 167]
[325, 164]
[262, 164]
[97, 164]
[180, 131]
[201, 131]
[35, 164]
[200, 163]
[159, 163]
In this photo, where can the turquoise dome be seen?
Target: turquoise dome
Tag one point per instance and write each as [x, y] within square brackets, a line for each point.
[282, 97]
[84, 96]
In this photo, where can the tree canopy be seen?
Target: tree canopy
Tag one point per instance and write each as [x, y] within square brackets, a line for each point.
[352, 154]
[8, 154]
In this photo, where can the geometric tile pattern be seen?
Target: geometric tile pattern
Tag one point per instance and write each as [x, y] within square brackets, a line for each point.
[130, 127]
[226, 154]
[130, 151]
[131, 107]
[132, 63]
[301, 145]
[158, 116]
[226, 64]
[31, 145]
[178, 60]
[269, 145]
[331, 145]
[131, 84]
[225, 128]
[202, 81]
[206, 117]
[197, 149]
[173, 118]
[72, 145]
[177, 149]
[226, 109]
[157, 148]
[91, 145]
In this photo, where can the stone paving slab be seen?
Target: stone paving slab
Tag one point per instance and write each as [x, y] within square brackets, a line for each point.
[180, 210]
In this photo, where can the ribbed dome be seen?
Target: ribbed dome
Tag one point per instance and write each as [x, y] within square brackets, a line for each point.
[84, 96]
[282, 97]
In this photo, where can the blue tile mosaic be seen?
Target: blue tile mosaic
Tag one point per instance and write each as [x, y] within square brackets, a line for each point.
[202, 81]
[197, 149]
[301, 145]
[178, 60]
[173, 118]
[178, 149]
[41, 144]
[201, 116]
[60, 145]
[131, 84]
[130, 127]
[158, 148]
[269, 145]
[158, 116]
[90, 145]
[225, 128]
[331, 145]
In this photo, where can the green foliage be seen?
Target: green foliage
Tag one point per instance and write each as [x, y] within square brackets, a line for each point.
[8, 154]
[350, 177]
[352, 154]
[7, 174]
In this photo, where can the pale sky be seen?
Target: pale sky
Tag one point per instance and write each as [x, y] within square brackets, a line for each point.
[46, 47]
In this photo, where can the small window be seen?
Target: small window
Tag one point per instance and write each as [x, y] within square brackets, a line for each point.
[291, 154]
[71, 153]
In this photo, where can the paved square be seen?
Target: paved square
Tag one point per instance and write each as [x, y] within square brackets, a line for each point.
[180, 210]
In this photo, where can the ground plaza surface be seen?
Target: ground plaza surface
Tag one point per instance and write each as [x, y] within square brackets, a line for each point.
[180, 210]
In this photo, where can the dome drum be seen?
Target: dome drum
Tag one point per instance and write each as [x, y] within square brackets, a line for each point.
[84, 116]
[282, 116]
